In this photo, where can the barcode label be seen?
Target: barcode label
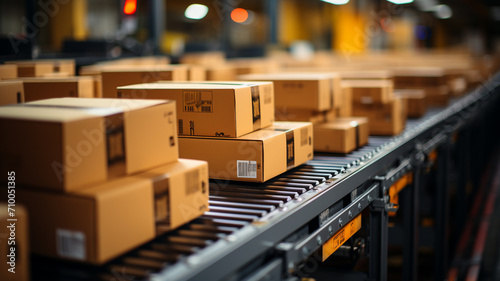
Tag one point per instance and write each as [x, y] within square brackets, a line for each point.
[246, 169]
[192, 182]
[181, 127]
[70, 244]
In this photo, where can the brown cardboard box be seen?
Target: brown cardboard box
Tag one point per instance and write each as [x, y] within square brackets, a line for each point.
[300, 115]
[46, 88]
[185, 184]
[384, 119]
[92, 225]
[204, 58]
[416, 101]
[371, 91]
[311, 91]
[8, 71]
[341, 136]
[101, 222]
[362, 128]
[14, 252]
[366, 75]
[11, 92]
[229, 109]
[65, 66]
[302, 131]
[66, 144]
[346, 108]
[220, 72]
[33, 68]
[113, 77]
[437, 96]
[255, 157]
[196, 72]
[419, 76]
[97, 85]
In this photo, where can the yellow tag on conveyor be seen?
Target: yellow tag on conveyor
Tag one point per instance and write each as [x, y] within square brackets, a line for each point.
[341, 236]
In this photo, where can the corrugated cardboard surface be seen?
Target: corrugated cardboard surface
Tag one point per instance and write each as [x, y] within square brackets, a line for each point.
[299, 115]
[337, 137]
[8, 71]
[371, 91]
[66, 144]
[229, 109]
[34, 68]
[11, 92]
[416, 101]
[384, 119]
[93, 225]
[346, 108]
[116, 76]
[303, 138]
[257, 156]
[46, 88]
[187, 183]
[312, 91]
[362, 128]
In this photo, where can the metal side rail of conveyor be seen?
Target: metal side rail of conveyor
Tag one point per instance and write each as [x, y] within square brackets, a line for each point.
[259, 230]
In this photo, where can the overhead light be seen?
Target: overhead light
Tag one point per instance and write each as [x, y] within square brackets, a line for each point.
[400, 1]
[130, 7]
[196, 11]
[426, 5]
[239, 15]
[336, 2]
[443, 12]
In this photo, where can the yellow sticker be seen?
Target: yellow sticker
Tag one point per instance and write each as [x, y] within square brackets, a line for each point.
[341, 236]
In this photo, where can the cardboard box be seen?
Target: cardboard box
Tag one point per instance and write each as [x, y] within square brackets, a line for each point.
[33, 68]
[416, 101]
[8, 71]
[229, 109]
[220, 72]
[384, 119]
[11, 92]
[371, 91]
[255, 157]
[196, 72]
[299, 115]
[341, 136]
[437, 96]
[366, 75]
[185, 185]
[46, 88]
[116, 76]
[346, 108]
[419, 76]
[14, 253]
[101, 222]
[311, 91]
[64, 66]
[66, 144]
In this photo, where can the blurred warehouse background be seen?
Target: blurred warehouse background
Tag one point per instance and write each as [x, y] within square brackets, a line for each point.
[114, 28]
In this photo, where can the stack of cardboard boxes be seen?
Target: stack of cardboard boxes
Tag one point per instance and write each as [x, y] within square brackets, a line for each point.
[432, 80]
[231, 125]
[317, 98]
[99, 177]
[375, 100]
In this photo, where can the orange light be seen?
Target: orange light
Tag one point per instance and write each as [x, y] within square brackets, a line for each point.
[130, 7]
[239, 15]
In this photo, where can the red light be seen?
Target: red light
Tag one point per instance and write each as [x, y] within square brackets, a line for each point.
[239, 15]
[130, 7]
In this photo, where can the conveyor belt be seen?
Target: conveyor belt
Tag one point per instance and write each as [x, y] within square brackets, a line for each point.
[246, 222]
